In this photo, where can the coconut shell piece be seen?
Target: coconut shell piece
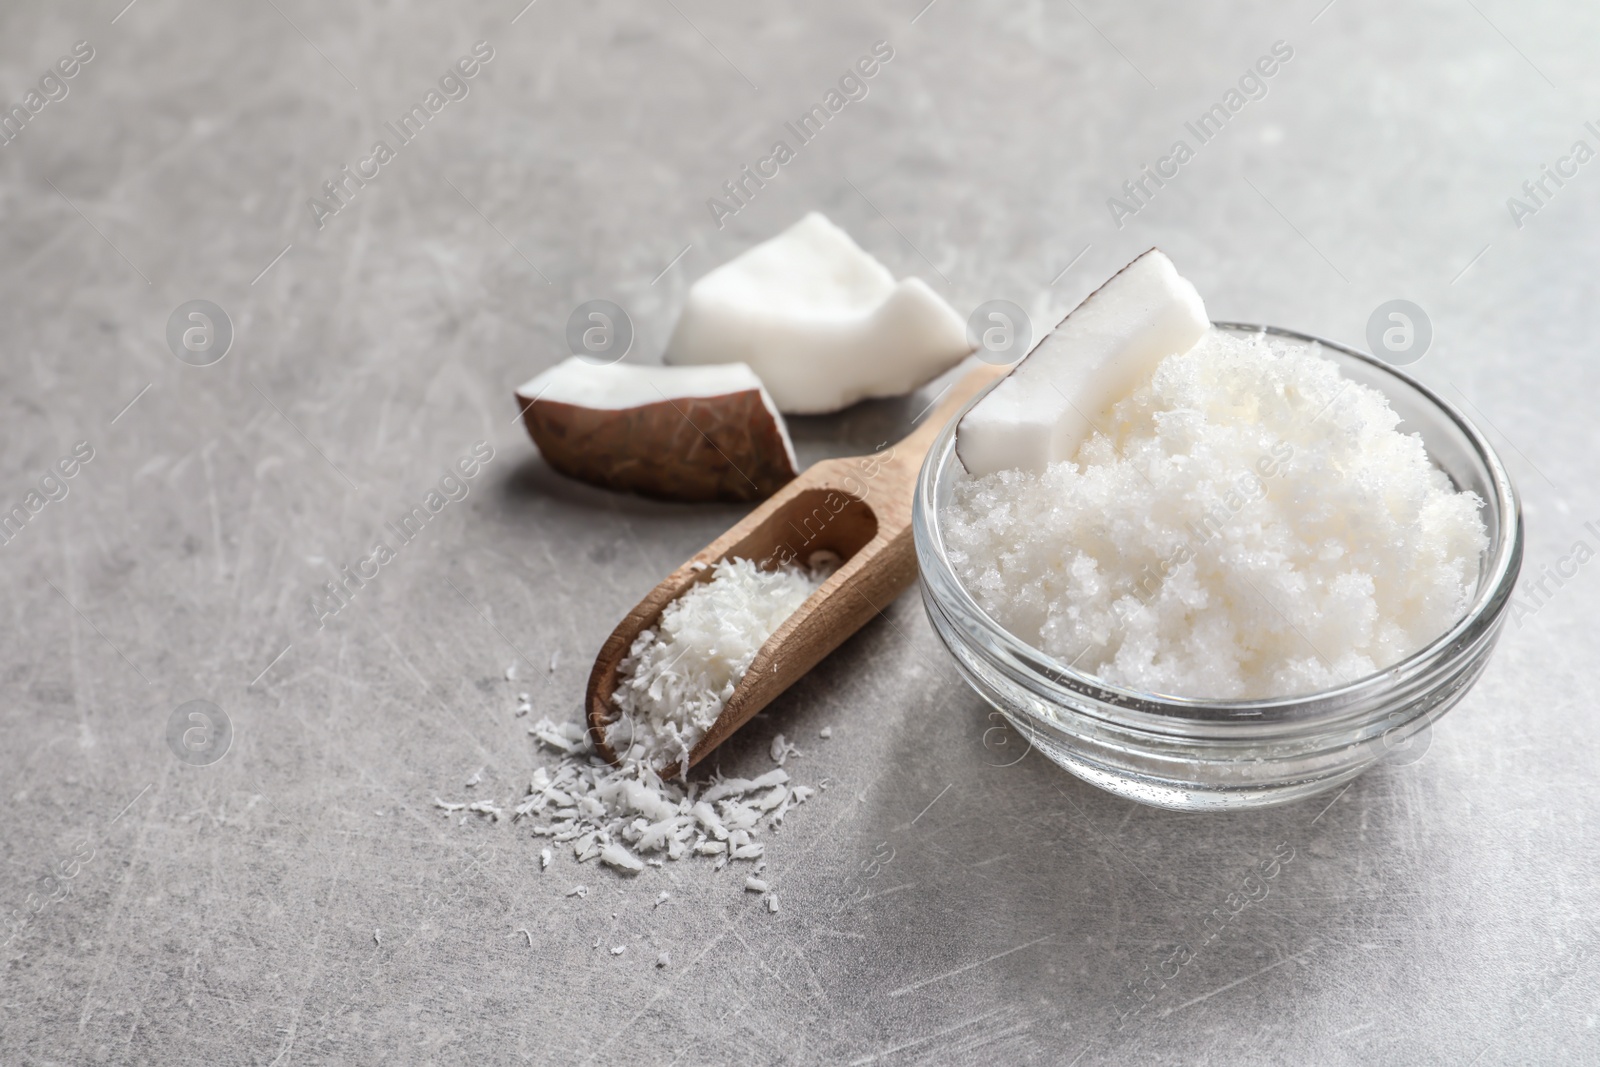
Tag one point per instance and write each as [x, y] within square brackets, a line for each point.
[673, 433]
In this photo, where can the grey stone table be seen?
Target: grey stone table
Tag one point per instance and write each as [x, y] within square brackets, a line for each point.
[301, 900]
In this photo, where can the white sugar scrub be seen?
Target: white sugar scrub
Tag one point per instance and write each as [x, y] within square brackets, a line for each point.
[676, 678]
[1246, 523]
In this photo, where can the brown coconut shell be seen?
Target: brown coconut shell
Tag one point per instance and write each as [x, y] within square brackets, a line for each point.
[728, 447]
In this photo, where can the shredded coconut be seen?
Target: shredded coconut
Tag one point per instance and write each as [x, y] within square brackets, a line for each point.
[1254, 525]
[486, 807]
[676, 678]
[620, 814]
[782, 749]
[620, 858]
[628, 817]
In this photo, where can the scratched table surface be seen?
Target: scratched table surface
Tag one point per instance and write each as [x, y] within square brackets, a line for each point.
[265, 877]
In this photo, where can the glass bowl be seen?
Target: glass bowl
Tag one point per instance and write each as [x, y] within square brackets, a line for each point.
[1209, 755]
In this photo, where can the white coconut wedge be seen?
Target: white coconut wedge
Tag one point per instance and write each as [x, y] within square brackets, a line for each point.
[1064, 389]
[674, 433]
[822, 322]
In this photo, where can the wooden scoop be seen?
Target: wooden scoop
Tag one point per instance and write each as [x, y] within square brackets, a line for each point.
[858, 508]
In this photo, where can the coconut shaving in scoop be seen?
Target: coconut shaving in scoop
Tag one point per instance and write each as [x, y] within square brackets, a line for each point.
[676, 678]
[1248, 524]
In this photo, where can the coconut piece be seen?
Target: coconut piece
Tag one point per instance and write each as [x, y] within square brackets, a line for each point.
[620, 858]
[821, 321]
[675, 433]
[1063, 390]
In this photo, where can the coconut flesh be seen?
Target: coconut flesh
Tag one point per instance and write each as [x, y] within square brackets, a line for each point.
[1064, 390]
[822, 322]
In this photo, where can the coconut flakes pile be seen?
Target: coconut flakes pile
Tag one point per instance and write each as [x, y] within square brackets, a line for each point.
[628, 817]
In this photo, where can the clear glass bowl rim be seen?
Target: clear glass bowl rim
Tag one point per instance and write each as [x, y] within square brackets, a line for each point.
[1496, 582]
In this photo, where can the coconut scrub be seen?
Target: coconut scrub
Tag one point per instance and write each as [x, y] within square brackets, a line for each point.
[1241, 522]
